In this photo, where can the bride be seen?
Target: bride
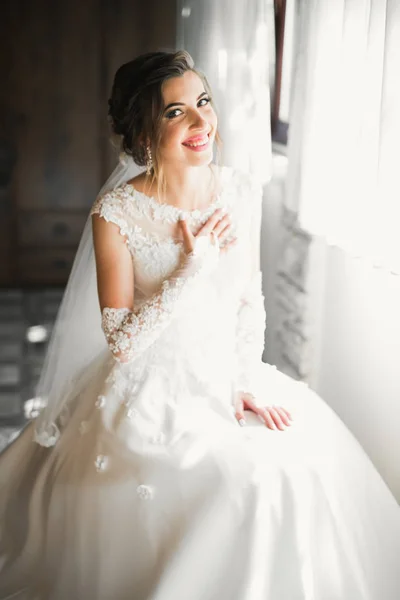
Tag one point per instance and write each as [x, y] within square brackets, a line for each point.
[169, 462]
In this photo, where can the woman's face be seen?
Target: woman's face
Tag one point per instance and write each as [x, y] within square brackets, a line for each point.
[188, 122]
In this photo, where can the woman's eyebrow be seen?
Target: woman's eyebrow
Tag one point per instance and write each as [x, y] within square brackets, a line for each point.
[182, 103]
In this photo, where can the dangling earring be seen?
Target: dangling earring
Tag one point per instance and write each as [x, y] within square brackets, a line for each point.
[149, 162]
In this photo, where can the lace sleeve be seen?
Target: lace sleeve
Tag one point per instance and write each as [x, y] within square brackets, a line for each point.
[251, 317]
[129, 333]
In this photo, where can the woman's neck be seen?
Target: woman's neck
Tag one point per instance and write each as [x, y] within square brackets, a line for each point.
[188, 189]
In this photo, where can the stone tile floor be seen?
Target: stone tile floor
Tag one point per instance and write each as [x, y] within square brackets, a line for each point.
[26, 320]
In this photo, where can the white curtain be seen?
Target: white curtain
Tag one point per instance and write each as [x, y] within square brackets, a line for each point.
[344, 173]
[232, 42]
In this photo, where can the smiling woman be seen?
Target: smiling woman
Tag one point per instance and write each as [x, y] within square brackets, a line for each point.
[155, 451]
[192, 126]
[172, 120]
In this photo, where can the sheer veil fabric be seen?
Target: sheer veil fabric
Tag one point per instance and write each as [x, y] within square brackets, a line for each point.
[76, 339]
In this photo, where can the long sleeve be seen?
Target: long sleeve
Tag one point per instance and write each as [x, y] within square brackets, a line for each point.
[129, 333]
[251, 317]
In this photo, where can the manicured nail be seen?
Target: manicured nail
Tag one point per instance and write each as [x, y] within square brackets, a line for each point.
[242, 422]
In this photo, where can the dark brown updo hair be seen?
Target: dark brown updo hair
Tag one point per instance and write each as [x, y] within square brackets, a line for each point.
[136, 103]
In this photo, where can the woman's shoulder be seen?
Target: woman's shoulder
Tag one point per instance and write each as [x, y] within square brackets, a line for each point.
[140, 184]
[112, 201]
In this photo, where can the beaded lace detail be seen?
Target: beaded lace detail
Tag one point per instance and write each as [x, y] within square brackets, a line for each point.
[129, 201]
[149, 228]
[130, 333]
[168, 213]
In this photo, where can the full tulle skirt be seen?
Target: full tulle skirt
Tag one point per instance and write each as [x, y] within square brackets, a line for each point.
[203, 510]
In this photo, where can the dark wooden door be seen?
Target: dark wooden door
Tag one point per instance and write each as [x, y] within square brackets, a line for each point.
[58, 59]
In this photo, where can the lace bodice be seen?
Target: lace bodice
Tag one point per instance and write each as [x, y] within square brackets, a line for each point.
[184, 314]
[196, 329]
[151, 229]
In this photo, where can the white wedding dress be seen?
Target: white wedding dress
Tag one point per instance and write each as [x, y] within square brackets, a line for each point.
[154, 491]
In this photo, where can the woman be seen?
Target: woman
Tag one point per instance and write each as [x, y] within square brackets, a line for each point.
[171, 462]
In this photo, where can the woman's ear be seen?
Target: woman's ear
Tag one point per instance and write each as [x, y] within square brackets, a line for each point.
[143, 141]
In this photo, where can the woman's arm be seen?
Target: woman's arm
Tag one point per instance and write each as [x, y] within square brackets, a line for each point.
[251, 317]
[115, 278]
[250, 334]
[130, 332]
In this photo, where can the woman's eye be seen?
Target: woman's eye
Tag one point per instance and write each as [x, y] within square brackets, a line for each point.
[175, 111]
[206, 99]
[172, 114]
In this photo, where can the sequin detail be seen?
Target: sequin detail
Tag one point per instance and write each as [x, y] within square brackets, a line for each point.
[47, 437]
[145, 492]
[132, 413]
[100, 402]
[101, 462]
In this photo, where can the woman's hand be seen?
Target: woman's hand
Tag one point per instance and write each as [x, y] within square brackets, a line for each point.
[218, 225]
[275, 417]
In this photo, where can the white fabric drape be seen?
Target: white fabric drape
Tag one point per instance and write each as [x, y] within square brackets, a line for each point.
[343, 177]
[232, 42]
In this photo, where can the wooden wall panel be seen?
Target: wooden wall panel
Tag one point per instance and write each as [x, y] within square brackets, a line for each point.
[123, 39]
[45, 266]
[160, 25]
[55, 93]
[57, 62]
[131, 29]
[7, 240]
[7, 153]
[45, 228]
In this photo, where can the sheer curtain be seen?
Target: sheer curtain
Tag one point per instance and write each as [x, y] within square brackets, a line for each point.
[233, 43]
[344, 175]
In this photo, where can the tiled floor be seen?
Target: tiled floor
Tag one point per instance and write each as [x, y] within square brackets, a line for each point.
[26, 319]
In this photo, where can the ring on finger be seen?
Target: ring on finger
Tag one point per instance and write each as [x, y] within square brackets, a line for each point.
[226, 231]
[218, 229]
[214, 236]
[223, 222]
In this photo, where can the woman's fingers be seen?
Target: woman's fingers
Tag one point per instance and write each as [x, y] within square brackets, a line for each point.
[188, 237]
[228, 245]
[219, 224]
[210, 223]
[223, 225]
[285, 414]
[275, 417]
[264, 414]
[239, 412]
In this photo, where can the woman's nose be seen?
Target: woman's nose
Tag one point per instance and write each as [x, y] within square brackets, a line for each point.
[198, 120]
